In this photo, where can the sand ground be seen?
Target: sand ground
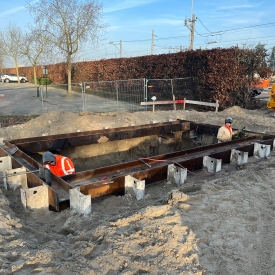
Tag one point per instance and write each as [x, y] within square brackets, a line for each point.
[223, 223]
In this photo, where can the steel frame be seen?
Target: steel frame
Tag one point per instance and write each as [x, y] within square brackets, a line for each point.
[109, 180]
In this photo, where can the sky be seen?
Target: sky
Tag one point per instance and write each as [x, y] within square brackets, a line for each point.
[145, 27]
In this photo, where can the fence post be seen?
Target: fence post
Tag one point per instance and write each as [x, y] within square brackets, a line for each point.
[145, 91]
[83, 92]
[116, 87]
[217, 102]
[42, 99]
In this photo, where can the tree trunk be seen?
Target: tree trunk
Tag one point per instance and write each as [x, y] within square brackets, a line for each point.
[34, 75]
[69, 63]
[17, 72]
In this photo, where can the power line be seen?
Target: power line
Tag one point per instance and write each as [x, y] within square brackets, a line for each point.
[203, 24]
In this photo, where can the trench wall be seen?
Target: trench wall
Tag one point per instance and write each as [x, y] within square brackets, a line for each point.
[113, 152]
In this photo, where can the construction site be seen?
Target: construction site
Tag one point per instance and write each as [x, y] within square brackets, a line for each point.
[153, 193]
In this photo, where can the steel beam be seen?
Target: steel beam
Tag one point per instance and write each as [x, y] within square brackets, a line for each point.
[110, 180]
[40, 144]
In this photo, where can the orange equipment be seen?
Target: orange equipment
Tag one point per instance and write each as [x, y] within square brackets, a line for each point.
[263, 84]
[271, 102]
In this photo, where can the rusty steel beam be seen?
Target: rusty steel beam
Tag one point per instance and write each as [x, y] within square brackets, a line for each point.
[40, 144]
[110, 180]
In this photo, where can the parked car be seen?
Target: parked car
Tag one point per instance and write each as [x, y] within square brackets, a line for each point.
[13, 78]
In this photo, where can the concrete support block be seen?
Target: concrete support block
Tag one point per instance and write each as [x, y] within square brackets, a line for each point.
[261, 150]
[212, 165]
[81, 203]
[176, 175]
[134, 187]
[5, 163]
[15, 178]
[35, 198]
[238, 157]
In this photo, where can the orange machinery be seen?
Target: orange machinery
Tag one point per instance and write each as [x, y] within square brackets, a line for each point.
[263, 84]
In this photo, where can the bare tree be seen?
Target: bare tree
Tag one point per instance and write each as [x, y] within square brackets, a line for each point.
[11, 44]
[67, 23]
[34, 46]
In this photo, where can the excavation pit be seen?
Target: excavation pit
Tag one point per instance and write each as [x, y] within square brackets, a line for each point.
[104, 158]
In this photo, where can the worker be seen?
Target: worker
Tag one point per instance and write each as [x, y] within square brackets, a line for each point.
[57, 164]
[225, 132]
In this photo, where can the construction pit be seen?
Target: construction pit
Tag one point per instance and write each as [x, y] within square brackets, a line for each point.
[121, 161]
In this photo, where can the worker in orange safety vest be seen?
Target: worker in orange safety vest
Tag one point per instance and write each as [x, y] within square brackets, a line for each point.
[57, 164]
[225, 132]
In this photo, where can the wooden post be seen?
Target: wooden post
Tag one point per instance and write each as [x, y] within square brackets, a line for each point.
[184, 104]
[153, 106]
[217, 102]
[175, 108]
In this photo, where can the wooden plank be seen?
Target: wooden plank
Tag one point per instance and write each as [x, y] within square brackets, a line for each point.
[179, 101]
[202, 103]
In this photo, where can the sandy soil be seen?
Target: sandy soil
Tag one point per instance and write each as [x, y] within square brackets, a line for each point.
[222, 224]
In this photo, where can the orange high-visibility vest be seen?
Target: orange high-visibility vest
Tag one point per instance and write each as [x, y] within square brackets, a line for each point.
[64, 166]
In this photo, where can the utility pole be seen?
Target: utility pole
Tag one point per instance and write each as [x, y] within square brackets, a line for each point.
[190, 24]
[120, 48]
[153, 42]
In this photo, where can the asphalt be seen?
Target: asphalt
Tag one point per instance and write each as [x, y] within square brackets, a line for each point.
[24, 99]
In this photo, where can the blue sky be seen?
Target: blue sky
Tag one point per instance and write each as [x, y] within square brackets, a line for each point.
[220, 23]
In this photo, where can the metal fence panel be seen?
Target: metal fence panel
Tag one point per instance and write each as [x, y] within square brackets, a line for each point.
[115, 96]
[164, 89]
[103, 96]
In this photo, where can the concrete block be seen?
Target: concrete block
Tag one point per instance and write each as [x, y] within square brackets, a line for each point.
[176, 175]
[134, 187]
[15, 178]
[5, 163]
[261, 150]
[81, 203]
[212, 165]
[35, 198]
[238, 157]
